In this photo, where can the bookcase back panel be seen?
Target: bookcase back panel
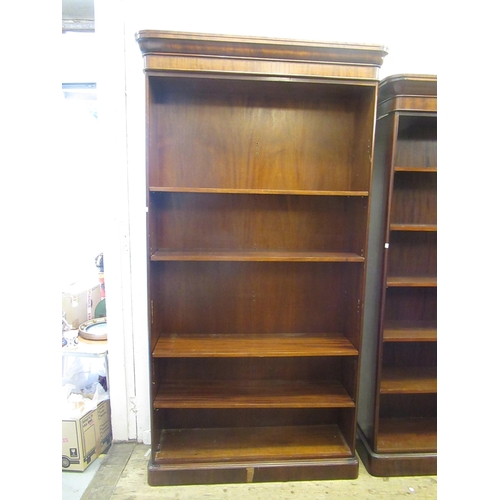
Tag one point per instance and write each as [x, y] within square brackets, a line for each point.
[259, 135]
[252, 369]
[417, 142]
[244, 417]
[408, 405]
[257, 297]
[239, 222]
[414, 198]
[412, 254]
[410, 354]
[410, 304]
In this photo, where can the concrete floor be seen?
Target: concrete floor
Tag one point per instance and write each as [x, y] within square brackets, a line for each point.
[75, 483]
[122, 475]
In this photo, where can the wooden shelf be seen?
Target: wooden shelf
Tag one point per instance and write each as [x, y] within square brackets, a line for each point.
[409, 380]
[254, 345]
[252, 394]
[431, 170]
[410, 331]
[407, 435]
[413, 227]
[250, 444]
[256, 256]
[215, 190]
[412, 281]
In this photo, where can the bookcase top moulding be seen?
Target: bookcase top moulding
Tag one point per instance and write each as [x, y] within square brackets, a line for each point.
[173, 52]
[407, 92]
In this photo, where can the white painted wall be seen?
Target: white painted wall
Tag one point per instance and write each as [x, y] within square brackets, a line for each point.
[410, 36]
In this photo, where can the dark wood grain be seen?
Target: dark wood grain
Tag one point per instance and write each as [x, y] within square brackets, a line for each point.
[414, 198]
[411, 304]
[417, 144]
[407, 355]
[412, 253]
[260, 136]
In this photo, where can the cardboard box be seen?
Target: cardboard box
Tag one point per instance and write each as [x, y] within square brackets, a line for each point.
[86, 437]
[79, 302]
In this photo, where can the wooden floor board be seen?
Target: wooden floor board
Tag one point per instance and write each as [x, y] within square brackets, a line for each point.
[106, 478]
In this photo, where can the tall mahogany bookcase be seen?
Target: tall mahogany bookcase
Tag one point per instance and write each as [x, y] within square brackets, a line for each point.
[259, 162]
[398, 394]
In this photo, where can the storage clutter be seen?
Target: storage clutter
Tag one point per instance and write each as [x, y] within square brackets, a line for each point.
[85, 409]
[79, 301]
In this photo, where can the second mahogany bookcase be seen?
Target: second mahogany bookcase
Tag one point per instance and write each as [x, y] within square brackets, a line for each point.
[398, 394]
